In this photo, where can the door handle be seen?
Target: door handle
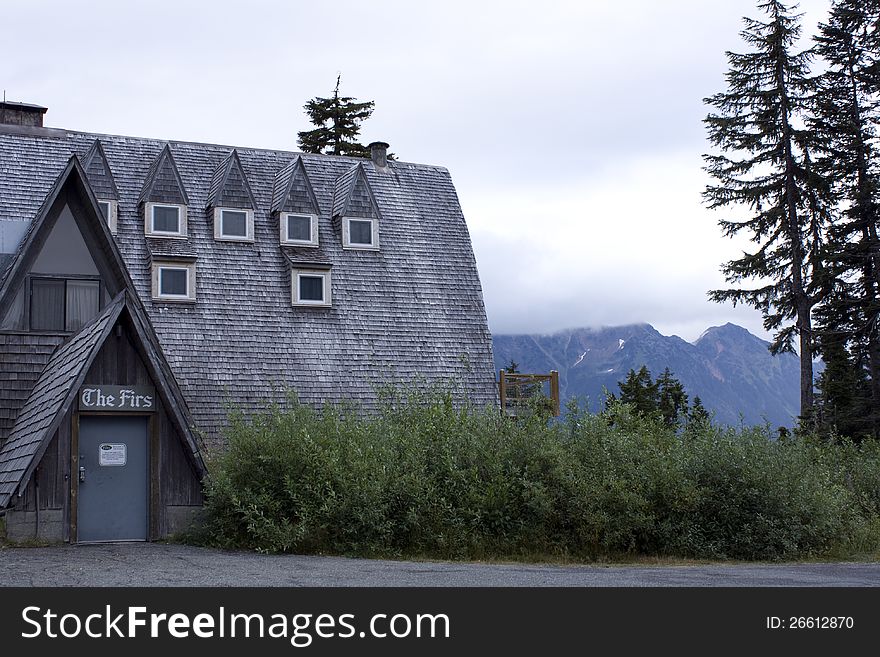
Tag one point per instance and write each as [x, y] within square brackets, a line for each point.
[82, 475]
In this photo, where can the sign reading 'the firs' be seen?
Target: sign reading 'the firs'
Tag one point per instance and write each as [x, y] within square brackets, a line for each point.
[117, 398]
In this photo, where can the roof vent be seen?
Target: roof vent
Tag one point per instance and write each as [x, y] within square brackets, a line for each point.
[379, 154]
[21, 114]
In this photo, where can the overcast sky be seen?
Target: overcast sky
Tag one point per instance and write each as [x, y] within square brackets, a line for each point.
[572, 130]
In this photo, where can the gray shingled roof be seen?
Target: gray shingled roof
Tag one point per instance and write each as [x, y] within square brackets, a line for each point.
[23, 357]
[352, 195]
[99, 174]
[50, 398]
[182, 249]
[229, 187]
[412, 309]
[163, 183]
[292, 191]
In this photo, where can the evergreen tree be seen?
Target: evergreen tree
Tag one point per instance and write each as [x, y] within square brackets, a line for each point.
[639, 391]
[764, 168]
[339, 121]
[672, 400]
[664, 397]
[844, 400]
[844, 118]
[698, 412]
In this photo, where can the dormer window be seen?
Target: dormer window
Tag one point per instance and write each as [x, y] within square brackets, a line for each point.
[165, 220]
[234, 225]
[299, 229]
[310, 287]
[110, 210]
[360, 233]
[174, 281]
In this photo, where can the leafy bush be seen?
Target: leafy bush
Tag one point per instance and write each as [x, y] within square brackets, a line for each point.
[424, 478]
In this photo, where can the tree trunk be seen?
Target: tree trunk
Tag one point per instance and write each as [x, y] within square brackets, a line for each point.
[805, 332]
[802, 302]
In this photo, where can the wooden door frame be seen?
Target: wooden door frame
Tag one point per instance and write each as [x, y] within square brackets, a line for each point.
[153, 496]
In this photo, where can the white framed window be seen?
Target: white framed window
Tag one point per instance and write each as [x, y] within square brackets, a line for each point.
[360, 233]
[174, 281]
[299, 229]
[110, 210]
[165, 220]
[310, 287]
[234, 224]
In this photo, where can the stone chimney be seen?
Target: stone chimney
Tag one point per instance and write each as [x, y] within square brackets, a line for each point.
[21, 114]
[379, 154]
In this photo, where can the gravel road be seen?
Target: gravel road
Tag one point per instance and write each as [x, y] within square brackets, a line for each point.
[157, 564]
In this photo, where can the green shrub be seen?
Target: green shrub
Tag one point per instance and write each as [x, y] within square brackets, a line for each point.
[424, 478]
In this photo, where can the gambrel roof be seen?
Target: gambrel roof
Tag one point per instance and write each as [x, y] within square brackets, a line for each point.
[411, 310]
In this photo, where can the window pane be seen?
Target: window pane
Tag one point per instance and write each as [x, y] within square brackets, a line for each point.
[47, 305]
[233, 223]
[82, 303]
[172, 281]
[105, 209]
[311, 288]
[360, 232]
[166, 220]
[299, 228]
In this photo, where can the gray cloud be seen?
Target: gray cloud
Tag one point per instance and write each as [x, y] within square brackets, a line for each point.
[572, 129]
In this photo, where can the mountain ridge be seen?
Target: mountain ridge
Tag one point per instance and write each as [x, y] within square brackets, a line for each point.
[729, 368]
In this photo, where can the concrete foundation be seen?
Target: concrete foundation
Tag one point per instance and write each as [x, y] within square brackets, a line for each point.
[22, 525]
[181, 518]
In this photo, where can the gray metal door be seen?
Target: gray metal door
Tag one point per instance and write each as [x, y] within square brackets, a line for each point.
[113, 484]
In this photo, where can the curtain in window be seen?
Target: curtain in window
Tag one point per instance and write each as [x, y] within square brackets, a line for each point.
[82, 303]
[360, 232]
[47, 304]
[311, 288]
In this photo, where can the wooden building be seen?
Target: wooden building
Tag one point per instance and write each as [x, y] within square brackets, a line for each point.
[146, 286]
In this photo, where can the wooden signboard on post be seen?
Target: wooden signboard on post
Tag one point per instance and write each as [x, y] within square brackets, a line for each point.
[519, 392]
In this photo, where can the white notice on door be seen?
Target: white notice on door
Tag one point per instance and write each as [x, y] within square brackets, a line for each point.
[111, 454]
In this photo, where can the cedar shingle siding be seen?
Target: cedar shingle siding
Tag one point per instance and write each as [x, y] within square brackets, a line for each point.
[412, 310]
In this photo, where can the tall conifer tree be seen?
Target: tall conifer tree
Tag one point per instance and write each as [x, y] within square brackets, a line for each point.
[845, 116]
[339, 121]
[764, 168]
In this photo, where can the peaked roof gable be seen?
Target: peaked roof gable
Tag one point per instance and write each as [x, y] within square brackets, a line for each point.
[42, 412]
[56, 390]
[71, 188]
[353, 196]
[292, 191]
[163, 183]
[229, 186]
[98, 172]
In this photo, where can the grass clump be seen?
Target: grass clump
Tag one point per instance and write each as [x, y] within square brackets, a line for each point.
[426, 479]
